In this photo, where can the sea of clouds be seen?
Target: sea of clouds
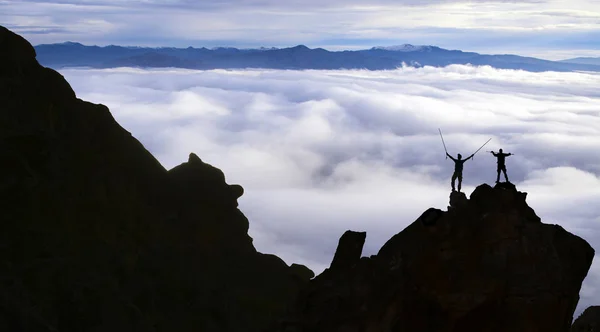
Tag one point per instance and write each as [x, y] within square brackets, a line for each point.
[321, 152]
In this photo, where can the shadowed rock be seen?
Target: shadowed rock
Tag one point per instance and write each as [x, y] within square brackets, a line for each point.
[457, 199]
[430, 217]
[96, 235]
[488, 264]
[588, 321]
[200, 182]
[349, 250]
[302, 272]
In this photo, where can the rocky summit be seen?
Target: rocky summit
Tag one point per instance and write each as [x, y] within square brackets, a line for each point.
[486, 264]
[96, 235]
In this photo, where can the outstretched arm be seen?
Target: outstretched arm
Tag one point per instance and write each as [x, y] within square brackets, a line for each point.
[450, 156]
[470, 157]
[494, 153]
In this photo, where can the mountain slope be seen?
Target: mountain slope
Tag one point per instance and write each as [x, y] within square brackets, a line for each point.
[584, 61]
[96, 235]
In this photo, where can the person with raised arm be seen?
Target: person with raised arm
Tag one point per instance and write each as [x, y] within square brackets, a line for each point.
[501, 160]
[458, 168]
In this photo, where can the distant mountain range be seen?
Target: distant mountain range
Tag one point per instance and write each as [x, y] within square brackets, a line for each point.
[71, 54]
[584, 61]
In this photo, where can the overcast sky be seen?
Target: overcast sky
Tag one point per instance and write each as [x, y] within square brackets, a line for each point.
[552, 29]
[320, 152]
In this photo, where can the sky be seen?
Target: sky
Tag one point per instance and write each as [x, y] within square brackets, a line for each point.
[322, 152]
[550, 29]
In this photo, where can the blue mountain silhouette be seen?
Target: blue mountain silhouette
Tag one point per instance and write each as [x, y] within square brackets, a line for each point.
[72, 54]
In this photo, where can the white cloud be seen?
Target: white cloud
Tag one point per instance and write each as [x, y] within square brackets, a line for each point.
[320, 152]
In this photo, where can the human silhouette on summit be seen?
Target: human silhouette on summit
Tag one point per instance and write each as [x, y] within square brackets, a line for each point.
[501, 163]
[458, 168]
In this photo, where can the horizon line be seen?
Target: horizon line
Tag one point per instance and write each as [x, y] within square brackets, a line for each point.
[268, 48]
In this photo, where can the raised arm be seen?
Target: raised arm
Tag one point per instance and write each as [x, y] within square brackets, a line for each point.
[494, 153]
[450, 156]
[470, 157]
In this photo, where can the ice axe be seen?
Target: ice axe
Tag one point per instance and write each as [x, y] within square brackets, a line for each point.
[443, 142]
[482, 146]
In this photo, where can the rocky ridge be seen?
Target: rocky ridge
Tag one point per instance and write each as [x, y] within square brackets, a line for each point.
[486, 264]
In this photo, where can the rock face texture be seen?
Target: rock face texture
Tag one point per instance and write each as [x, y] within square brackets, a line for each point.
[487, 264]
[589, 321]
[95, 235]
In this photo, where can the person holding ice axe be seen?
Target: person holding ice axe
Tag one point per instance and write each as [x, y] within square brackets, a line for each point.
[458, 163]
[458, 168]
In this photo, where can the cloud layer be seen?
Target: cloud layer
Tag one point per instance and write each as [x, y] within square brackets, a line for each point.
[320, 152]
[546, 28]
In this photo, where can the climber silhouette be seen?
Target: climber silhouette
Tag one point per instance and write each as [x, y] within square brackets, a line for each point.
[501, 163]
[458, 168]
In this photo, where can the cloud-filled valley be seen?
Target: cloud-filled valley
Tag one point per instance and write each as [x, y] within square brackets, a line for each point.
[320, 152]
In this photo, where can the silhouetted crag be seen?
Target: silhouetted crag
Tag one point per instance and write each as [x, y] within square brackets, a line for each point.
[488, 264]
[95, 235]
[589, 321]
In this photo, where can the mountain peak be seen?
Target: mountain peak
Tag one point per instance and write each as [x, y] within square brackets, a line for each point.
[70, 43]
[488, 263]
[402, 48]
[262, 48]
[300, 47]
[224, 48]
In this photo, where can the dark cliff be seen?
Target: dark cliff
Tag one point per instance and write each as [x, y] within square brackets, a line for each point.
[486, 264]
[95, 235]
[588, 321]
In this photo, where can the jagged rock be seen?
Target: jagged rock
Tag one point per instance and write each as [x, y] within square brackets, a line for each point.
[303, 272]
[457, 199]
[430, 217]
[349, 250]
[505, 185]
[96, 235]
[202, 183]
[588, 321]
[487, 264]
[16, 54]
